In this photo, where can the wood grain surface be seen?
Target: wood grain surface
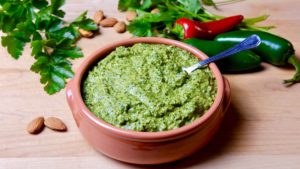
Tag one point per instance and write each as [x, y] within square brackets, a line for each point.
[261, 128]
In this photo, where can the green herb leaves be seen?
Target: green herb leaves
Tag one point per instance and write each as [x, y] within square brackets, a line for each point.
[52, 40]
[14, 45]
[191, 5]
[126, 4]
[162, 23]
[209, 3]
[84, 23]
[159, 24]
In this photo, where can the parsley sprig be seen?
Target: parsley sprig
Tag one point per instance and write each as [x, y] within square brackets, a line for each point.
[52, 40]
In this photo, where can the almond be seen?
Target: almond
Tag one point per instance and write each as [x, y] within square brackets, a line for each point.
[36, 125]
[120, 27]
[130, 15]
[55, 124]
[85, 33]
[155, 11]
[49, 50]
[98, 16]
[108, 22]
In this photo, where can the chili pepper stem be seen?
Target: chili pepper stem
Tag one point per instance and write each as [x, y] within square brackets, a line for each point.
[296, 78]
[178, 31]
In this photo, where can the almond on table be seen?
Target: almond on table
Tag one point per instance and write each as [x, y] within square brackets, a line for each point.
[108, 22]
[98, 16]
[130, 15]
[85, 33]
[55, 123]
[120, 27]
[36, 125]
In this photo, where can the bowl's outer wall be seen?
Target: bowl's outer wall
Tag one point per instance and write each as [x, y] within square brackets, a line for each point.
[146, 151]
[140, 152]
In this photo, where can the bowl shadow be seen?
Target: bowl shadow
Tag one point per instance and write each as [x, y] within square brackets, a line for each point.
[221, 144]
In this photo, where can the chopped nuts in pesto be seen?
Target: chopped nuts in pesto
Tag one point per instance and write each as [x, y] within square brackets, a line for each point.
[144, 88]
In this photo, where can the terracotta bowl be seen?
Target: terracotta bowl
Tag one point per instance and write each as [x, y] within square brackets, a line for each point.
[146, 147]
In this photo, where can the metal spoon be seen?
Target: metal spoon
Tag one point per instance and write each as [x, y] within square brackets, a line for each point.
[249, 43]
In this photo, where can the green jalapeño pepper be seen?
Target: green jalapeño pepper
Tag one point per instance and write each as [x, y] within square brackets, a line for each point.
[240, 62]
[273, 49]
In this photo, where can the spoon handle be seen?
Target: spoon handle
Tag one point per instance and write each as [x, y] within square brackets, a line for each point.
[249, 43]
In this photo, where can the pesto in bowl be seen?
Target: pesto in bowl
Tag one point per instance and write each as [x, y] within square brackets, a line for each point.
[144, 88]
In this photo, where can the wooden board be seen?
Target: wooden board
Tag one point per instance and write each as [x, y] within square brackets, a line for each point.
[261, 128]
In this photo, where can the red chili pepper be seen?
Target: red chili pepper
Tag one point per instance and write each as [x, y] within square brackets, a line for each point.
[206, 30]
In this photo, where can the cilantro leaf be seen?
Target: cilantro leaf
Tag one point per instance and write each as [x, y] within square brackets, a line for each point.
[39, 4]
[45, 19]
[64, 70]
[72, 52]
[155, 18]
[147, 4]
[126, 4]
[84, 23]
[81, 17]
[37, 47]
[36, 36]
[209, 3]
[140, 28]
[54, 83]
[52, 40]
[11, 15]
[61, 34]
[192, 6]
[14, 45]
[55, 25]
[55, 5]
[24, 31]
[2, 15]
[138, 4]
[54, 70]
[39, 63]
[149, 24]
[26, 27]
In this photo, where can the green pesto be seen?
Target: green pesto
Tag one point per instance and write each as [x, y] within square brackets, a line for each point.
[143, 88]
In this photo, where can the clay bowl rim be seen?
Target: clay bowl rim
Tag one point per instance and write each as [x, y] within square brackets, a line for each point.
[138, 135]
